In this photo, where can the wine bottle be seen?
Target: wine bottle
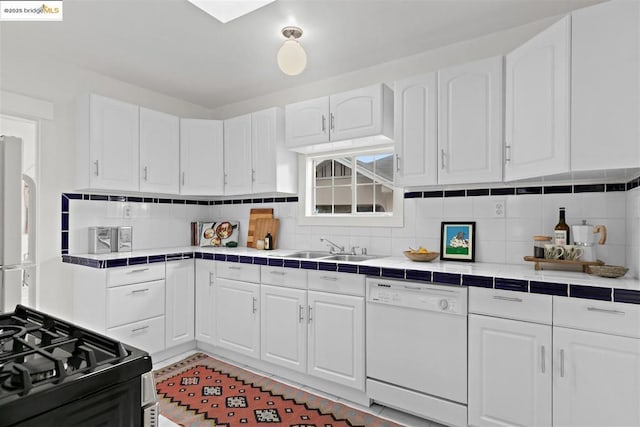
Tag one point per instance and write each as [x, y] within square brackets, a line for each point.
[561, 231]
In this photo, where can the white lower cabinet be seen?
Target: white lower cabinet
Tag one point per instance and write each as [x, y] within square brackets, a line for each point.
[179, 302]
[147, 335]
[205, 301]
[237, 316]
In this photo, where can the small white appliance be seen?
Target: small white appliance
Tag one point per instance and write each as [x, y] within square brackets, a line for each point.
[584, 235]
[417, 348]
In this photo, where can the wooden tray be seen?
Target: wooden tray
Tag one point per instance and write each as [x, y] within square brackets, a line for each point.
[267, 225]
[583, 264]
[254, 215]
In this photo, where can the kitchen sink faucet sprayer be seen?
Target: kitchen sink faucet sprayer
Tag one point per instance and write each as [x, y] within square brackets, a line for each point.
[333, 247]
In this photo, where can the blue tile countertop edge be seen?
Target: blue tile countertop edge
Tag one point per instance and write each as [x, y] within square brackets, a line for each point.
[492, 276]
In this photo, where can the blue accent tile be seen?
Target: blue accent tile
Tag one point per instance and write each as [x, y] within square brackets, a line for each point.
[626, 295]
[73, 196]
[392, 273]
[247, 201]
[413, 194]
[256, 200]
[64, 251]
[116, 262]
[589, 188]
[276, 262]
[187, 255]
[232, 258]
[267, 200]
[237, 202]
[227, 202]
[347, 268]
[64, 203]
[280, 199]
[203, 202]
[207, 256]
[138, 260]
[260, 261]
[450, 278]
[94, 263]
[511, 284]
[548, 288]
[66, 258]
[507, 191]
[86, 197]
[178, 201]
[292, 263]
[100, 197]
[633, 184]
[424, 276]
[590, 292]
[432, 194]
[192, 202]
[246, 259]
[134, 199]
[558, 189]
[528, 190]
[117, 198]
[65, 221]
[218, 202]
[369, 271]
[220, 257]
[478, 192]
[157, 258]
[166, 201]
[64, 240]
[148, 200]
[198, 255]
[478, 281]
[455, 193]
[174, 257]
[616, 187]
[309, 265]
[327, 266]
[292, 199]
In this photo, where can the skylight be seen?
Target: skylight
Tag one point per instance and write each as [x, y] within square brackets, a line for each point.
[228, 10]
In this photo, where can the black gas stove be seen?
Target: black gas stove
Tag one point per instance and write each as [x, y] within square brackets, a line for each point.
[53, 373]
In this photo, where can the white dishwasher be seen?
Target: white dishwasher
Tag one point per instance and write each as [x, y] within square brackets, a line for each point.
[417, 348]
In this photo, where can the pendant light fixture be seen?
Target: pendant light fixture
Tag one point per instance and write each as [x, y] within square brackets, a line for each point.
[292, 59]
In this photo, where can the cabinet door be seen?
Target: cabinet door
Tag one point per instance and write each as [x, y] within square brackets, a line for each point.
[114, 141]
[605, 88]
[356, 113]
[205, 301]
[307, 122]
[537, 105]
[159, 152]
[237, 317]
[237, 155]
[509, 372]
[264, 138]
[416, 134]
[201, 157]
[283, 334]
[179, 302]
[336, 338]
[470, 110]
[596, 379]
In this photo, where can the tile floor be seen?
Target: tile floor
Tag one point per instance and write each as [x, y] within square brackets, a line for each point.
[381, 411]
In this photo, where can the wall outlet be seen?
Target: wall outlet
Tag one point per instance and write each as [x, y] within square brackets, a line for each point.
[500, 209]
[126, 211]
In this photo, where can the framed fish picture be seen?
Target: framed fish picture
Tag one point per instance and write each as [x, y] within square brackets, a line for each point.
[457, 241]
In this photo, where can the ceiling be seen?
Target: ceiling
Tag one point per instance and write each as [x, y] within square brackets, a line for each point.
[173, 47]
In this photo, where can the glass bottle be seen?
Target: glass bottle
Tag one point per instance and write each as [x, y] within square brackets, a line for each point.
[561, 230]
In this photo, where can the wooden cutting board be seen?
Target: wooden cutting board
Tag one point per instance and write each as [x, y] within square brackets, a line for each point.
[267, 225]
[254, 215]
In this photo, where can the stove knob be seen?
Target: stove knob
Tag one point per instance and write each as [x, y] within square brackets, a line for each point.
[444, 304]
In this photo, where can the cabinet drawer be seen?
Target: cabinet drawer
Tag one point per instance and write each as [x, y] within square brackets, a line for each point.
[599, 316]
[340, 283]
[135, 274]
[287, 277]
[237, 271]
[147, 335]
[126, 304]
[511, 305]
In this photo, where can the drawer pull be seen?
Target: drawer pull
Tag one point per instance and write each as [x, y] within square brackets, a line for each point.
[414, 288]
[279, 273]
[141, 328]
[604, 310]
[254, 308]
[333, 279]
[561, 363]
[210, 278]
[232, 267]
[501, 298]
[300, 314]
[542, 361]
[139, 270]
[139, 291]
[309, 315]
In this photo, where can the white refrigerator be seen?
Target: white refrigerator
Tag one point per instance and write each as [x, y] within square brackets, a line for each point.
[11, 189]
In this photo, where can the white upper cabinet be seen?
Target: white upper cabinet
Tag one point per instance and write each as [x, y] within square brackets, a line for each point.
[605, 86]
[107, 144]
[360, 113]
[537, 105]
[470, 122]
[159, 152]
[201, 157]
[237, 155]
[416, 143]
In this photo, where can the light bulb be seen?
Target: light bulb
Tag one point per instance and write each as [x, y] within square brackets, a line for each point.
[292, 59]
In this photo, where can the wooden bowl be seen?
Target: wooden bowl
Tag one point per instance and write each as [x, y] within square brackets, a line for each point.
[608, 270]
[418, 257]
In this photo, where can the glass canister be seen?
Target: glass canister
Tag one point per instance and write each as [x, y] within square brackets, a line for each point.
[538, 245]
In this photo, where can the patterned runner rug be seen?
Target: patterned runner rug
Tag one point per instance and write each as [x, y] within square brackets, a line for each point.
[201, 391]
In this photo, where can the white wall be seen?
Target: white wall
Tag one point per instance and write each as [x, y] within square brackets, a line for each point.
[633, 232]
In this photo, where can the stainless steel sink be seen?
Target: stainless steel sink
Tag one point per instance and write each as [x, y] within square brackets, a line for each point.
[350, 258]
[309, 254]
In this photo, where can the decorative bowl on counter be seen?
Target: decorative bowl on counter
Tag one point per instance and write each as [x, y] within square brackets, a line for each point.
[421, 256]
[608, 270]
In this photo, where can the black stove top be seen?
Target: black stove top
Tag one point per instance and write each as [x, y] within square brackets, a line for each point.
[46, 362]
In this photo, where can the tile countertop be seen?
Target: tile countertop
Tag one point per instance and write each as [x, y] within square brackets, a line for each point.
[392, 265]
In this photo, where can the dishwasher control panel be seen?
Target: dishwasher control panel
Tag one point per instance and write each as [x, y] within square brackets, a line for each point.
[441, 298]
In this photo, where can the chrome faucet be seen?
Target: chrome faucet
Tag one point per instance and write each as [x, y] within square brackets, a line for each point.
[333, 247]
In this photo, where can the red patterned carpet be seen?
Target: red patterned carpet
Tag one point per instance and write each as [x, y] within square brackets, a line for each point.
[202, 391]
